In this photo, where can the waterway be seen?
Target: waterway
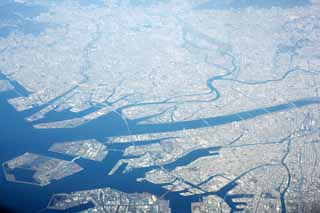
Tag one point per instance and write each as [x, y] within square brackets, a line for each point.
[18, 137]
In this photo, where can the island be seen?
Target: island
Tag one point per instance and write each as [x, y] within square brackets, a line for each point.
[38, 170]
[110, 200]
[88, 149]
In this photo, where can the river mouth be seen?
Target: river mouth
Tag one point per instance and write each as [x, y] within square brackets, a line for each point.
[200, 104]
[94, 176]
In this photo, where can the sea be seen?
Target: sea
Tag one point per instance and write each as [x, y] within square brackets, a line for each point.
[17, 136]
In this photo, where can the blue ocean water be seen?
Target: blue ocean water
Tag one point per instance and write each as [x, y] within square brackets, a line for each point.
[18, 137]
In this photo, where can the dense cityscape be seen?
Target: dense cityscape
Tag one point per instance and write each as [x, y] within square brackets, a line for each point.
[160, 106]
